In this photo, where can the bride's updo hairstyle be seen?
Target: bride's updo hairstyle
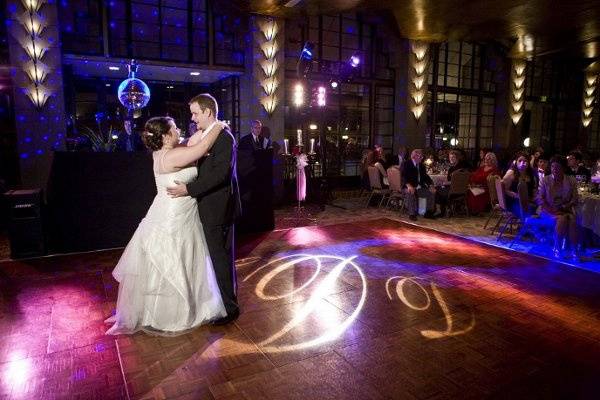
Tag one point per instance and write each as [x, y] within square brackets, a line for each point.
[154, 130]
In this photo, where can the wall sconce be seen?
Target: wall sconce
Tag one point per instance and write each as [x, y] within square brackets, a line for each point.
[589, 86]
[269, 64]
[419, 50]
[418, 111]
[269, 67]
[270, 85]
[269, 28]
[517, 100]
[38, 95]
[35, 46]
[516, 118]
[517, 106]
[269, 103]
[418, 82]
[419, 64]
[269, 49]
[33, 23]
[36, 71]
[518, 93]
[519, 81]
[33, 6]
[590, 90]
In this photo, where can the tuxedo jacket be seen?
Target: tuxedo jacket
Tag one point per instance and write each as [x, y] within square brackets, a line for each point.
[410, 174]
[216, 187]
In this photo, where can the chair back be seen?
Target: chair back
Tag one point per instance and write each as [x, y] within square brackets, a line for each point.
[459, 183]
[501, 193]
[523, 200]
[394, 179]
[491, 184]
[374, 179]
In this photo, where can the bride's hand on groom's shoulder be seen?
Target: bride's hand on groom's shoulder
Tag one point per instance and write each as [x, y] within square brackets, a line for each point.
[223, 125]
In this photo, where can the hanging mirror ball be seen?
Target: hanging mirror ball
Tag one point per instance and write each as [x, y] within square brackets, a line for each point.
[133, 94]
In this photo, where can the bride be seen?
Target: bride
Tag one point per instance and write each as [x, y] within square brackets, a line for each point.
[166, 280]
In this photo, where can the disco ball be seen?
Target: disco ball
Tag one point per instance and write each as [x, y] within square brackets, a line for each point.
[133, 94]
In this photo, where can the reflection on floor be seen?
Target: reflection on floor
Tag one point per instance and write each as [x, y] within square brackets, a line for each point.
[349, 209]
[363, 310]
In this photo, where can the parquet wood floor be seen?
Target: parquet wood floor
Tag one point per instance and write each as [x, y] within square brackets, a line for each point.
[374, 309]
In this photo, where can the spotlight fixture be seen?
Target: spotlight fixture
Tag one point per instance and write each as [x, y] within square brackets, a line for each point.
[526, 142]
[195, 73]
[321, 96]
[304, 66]
[354, 61]
[334, 84]
[298, 95]
[114, 68]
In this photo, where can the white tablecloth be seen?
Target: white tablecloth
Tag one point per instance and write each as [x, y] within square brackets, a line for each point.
[589, 210]
[439, 179]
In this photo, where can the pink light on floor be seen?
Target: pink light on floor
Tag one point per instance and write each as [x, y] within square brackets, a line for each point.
[17, 374]
[307, 236]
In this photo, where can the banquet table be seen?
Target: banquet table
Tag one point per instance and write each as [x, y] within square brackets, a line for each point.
[439, 179]
[589, 212]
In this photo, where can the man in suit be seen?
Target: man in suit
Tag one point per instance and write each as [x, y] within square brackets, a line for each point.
[218, 200]
[418, 185]
[253, 141]
[576, 167]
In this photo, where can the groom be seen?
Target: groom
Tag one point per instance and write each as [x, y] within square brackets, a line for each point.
[216, 191]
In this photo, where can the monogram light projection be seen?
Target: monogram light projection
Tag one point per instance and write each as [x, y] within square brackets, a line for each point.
[400, 292]
[334, 267]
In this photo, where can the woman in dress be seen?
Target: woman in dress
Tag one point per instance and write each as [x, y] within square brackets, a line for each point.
[478, 198]
[558, 197]
[520, 171]
[166, 280]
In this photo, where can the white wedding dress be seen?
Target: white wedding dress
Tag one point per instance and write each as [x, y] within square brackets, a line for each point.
[167, 284]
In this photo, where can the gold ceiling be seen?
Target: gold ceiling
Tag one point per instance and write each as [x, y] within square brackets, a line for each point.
[551, 26]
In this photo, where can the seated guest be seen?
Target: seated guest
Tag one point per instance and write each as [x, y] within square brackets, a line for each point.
[576, 167]
[418, 184]
[370, 160]
[520, 172]
[539, 153]
[557, 196]
[596, 168]
[457, 162]
[540, 171]
[482, 153]
[478, 197]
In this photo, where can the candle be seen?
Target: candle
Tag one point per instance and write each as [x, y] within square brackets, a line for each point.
[299, 138]
[286, 146]
[312, 146]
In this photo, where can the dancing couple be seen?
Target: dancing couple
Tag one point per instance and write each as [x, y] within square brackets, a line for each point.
[177, 272]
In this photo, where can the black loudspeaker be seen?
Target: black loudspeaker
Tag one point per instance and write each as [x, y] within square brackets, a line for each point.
[25, 225]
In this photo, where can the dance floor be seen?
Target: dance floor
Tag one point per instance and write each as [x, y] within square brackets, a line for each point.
[374, 309]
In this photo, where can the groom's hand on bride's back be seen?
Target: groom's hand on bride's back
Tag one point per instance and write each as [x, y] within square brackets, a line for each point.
[177, 191]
